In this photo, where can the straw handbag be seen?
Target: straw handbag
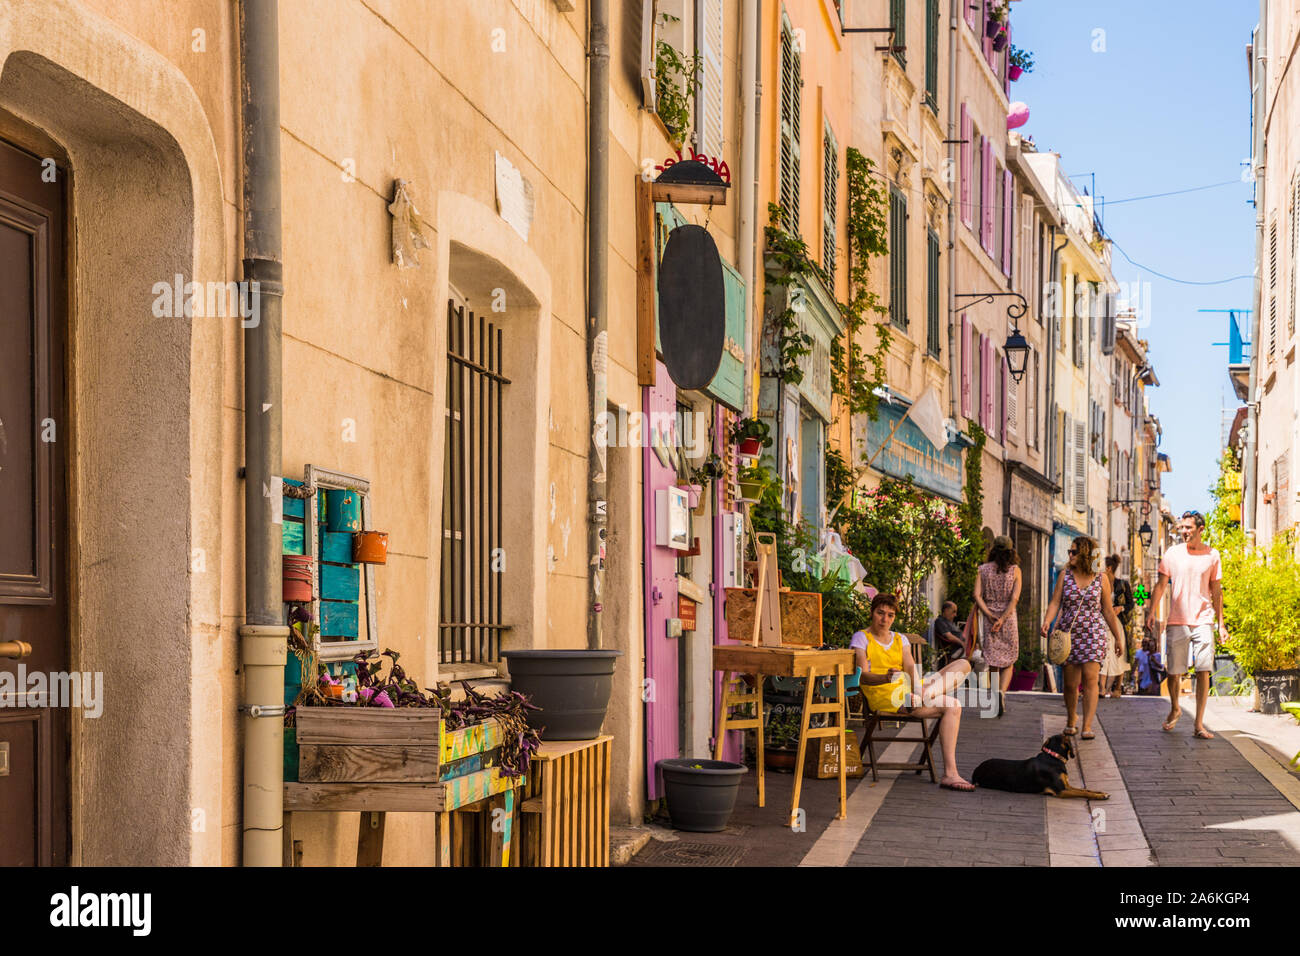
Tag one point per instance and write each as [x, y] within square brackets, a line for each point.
[1060, 642]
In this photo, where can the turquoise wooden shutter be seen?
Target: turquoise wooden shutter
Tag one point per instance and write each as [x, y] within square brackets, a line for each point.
[728, 386]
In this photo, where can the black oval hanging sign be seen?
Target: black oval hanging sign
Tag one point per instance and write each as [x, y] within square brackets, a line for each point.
[692, 307]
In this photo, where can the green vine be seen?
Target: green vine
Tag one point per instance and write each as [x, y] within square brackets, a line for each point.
[961, 574]
[786, 261]
[868, 231]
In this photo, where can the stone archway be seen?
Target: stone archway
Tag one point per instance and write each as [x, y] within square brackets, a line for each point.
[145, 398]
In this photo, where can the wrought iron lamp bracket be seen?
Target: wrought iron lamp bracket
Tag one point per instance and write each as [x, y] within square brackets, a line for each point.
[1015, 311]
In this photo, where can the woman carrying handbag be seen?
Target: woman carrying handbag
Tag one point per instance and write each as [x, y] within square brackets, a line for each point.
[1082, 596]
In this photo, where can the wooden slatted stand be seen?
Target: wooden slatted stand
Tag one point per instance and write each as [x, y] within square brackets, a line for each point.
[564, 818]
[734, 660]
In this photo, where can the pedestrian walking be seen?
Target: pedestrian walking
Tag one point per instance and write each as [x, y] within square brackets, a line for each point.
[1116, 665]
[1192, 572]
[1149, 668]
[997, 589]
[1081, 604]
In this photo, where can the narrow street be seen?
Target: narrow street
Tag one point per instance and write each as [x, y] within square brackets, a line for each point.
[1174, 801]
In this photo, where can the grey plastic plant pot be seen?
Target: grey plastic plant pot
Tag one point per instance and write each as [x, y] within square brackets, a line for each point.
[571, 686]
[700, 793]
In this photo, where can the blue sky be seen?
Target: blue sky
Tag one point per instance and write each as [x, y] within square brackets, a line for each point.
[1165, 106]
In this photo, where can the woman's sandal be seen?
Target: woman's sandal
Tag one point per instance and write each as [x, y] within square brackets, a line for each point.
[1169, 725]
[964, 787]
[1070, 731]
[1087, 735]
[1203, 735]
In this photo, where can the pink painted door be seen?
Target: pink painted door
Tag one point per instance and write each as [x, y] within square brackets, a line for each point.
[662, 700]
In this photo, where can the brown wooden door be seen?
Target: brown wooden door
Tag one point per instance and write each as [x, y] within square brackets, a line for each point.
[34, 538]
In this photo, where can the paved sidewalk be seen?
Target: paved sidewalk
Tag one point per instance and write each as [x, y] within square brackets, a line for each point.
[1176, 801]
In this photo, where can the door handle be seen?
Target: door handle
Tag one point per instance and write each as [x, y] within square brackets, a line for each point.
[15, 649]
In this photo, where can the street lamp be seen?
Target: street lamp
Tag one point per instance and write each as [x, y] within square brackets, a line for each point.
[1017, 352]
[1145, 534]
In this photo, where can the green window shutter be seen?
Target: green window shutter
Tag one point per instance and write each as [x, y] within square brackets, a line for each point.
[830, 199]
[932, 54]
[897, 257]
[932, 294]
[898, 20]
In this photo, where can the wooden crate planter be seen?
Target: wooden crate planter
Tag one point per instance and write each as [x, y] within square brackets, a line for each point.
[565, 808]
[376, 761]
[378, 745]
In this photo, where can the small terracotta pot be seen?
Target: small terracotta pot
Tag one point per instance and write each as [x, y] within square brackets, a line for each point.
[297, 577]
[370, 547]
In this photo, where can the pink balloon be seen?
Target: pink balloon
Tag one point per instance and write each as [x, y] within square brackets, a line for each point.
[1017, 115]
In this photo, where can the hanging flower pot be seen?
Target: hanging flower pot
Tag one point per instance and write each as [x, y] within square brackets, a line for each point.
[1000, 41]
[693, 493]
[370, 547]
[297, 577]
[750, 447]
[1014, 72]
[751, 491]
[992, 28]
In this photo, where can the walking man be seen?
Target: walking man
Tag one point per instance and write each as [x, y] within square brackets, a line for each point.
[1193, 573]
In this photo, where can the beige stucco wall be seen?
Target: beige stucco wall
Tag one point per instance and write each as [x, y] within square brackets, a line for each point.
[1278, 382]
[147, 115]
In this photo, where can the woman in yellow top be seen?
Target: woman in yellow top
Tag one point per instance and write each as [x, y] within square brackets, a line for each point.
[889, 677]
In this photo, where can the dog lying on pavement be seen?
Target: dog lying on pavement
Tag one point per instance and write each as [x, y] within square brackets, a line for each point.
[1042, 773]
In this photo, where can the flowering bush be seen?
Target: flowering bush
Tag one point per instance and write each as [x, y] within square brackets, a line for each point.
[900, 533]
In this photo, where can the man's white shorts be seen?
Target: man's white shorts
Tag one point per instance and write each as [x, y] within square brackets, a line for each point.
[1196, 640]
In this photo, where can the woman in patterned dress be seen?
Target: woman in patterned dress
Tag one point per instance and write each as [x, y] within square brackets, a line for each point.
[997, 589]
[1082, 595]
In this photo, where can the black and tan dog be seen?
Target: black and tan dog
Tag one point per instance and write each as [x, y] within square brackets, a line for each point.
[1042, 773]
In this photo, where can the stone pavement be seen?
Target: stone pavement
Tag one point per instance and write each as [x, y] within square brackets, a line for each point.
[1175, 801]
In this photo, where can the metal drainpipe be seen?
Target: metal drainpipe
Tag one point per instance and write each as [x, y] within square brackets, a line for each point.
[263, 637]
[1250, 467]
[597, 320]
[745, 224]
[954, 360]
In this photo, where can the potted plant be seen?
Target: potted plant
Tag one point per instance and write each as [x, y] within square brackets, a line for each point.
[996, 22]
[752, 435]
[1000, 41]
[700, 793]
[694, 491]
[1020, 62]
[753, 480]
[1030, 660]
[1261, 608]
[781, 739]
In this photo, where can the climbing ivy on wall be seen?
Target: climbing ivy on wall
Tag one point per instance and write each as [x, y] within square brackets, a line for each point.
[785, 262]
[857, 374]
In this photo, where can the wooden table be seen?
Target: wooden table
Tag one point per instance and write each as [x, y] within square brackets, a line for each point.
[564, 817]
[485, 791]
[808, 663]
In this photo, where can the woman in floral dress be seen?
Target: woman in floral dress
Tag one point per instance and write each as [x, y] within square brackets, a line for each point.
[1082, 595]
[997, 589]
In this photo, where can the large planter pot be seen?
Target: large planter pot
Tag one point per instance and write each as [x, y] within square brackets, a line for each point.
[571, 686]
[700, 793]
[1023, 680]
[1275, 688]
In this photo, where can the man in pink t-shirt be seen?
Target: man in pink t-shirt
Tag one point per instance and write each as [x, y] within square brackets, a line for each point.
[1192, 571]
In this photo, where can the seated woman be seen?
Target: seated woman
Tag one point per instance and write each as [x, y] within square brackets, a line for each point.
[888, 672]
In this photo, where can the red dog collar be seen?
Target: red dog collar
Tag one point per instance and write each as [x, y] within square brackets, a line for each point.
[1054, 754]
